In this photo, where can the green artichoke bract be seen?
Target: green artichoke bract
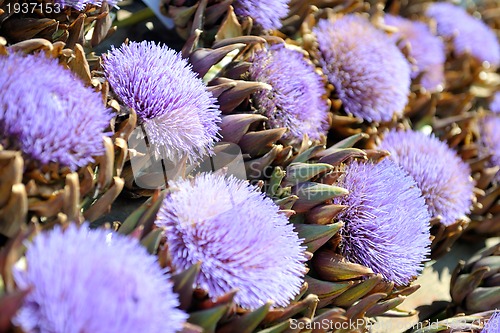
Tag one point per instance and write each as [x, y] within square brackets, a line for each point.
[475, 284]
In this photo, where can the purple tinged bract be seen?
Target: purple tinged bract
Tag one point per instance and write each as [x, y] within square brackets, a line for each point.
[94, 281]
[440, 173]
[296, 100]
[370, 74]
[427, 50]
[265, 13]
[238, 235]
[48, 113]
[386, 221]
[469, 34]
[177, 112]
[490, 140]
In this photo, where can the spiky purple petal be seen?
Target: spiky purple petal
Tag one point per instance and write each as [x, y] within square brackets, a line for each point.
[48, 113]
[493, 323]
[296, 98]
[427, 50]
[265, 13]
[94, 281]
[386, 222]
[179, 115]
[369, 72]
[495, 103]
[469, 34]
[238, 234]
[439, 172]
[490, 140]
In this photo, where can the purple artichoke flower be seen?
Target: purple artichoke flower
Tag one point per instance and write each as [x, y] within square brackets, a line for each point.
[296, 98]
[265, 13]
[369, 72]
[386, 222]
[81, 4]
[238, 234]
[94, 281]
[440, 173]
[179, 115]
[427, 49]
[469, 34]
[48, 113]
[493, 323]
[495, 103]
[490, 140]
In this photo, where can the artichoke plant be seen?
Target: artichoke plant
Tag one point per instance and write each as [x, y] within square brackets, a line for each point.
[469, 81]
[332, 41]
[214, 304]
[145, 304]
[475, 284]
[467, 37]
[41, 295]
[403, 90]
[179, 122]
[172, 137]
[321, 188]
[469, 66]
[55, 171]
[442, 176]
[486, 214]
[472, 135]
[425, 49]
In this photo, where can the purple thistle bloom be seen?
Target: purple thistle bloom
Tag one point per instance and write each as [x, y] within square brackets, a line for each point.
[81, 4]
[94, 281]
[495, 103]
[369, 72]
[238, 234]
[179, 115]
[296, 98]
[493, 323]
[427, 49]
[386, 222]
[469, 34]
[490, 139]
[265, 13]
[440, 173]
[48, 113]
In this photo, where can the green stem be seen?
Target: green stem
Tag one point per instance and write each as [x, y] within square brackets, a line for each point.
[136, 18]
